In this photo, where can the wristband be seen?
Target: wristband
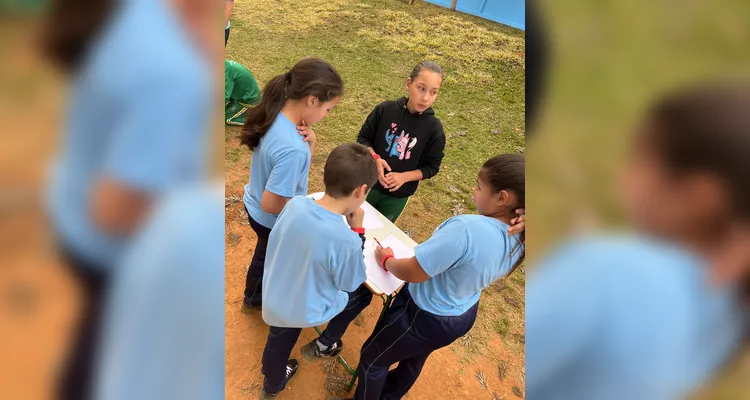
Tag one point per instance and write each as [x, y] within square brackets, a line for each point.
[361, 231]
[376, 156]
[382, 263]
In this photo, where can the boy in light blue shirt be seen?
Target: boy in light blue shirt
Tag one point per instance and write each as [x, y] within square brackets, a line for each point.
[315, 268]
[445, 278]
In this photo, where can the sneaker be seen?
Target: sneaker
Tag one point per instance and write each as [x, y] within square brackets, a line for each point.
[292, 366]
[311, 351]
[251, 309]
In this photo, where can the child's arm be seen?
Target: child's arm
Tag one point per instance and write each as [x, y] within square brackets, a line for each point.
[406, 269]
[433, 155]
[368, 131]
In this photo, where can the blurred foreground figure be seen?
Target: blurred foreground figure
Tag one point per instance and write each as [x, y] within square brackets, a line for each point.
[135, 128]
[654, 314]
[163, 335]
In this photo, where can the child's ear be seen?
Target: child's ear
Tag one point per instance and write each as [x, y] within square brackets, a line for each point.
[362, 191]
[312, 101]
[503, 197]
[408, 83]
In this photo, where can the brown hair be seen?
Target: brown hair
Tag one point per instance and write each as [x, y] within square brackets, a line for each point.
[70, 28]
[348, 167]
[508, 172]
[426, 65]
[309, 77]
[707, 129]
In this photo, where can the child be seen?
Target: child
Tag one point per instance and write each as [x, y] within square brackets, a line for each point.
[654, 316]
[314, 259]
[291, 103]
[241, 91]
[446, 276]
[407, 139]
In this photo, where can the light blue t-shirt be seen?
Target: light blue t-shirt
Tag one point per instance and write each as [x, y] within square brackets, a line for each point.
[131, 117]
[625, 318]
[163, 335]
[464, 255]
[313, 259]
[280, 165]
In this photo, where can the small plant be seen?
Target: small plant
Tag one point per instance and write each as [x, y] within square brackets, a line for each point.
[502, 369]
[496, 396]
[482, 378]
[337, 384]
[502, 326]
[329, 367]
[517, 391]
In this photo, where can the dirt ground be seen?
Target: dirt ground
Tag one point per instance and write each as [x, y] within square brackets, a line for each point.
[449, 370]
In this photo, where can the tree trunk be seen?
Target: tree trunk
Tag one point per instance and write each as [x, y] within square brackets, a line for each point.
[453, 4]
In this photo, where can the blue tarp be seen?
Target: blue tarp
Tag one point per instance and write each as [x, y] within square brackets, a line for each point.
[508, 12]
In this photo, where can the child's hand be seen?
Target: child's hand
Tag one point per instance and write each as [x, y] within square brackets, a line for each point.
[356, 219]
[380, 253]
[382, 166]
[518, 224]
[394, 181]
[307, 132]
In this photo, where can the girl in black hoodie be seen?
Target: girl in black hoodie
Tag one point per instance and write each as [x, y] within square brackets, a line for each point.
[407, 139]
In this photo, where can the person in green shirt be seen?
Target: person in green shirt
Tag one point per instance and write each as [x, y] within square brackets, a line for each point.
[241, 91]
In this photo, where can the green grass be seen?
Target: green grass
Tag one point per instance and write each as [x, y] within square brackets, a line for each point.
[374, 44]
[501, 327]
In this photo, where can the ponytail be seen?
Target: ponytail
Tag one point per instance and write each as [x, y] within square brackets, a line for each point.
[309, 77]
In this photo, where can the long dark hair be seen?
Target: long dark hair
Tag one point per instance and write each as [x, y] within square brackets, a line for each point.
[508, 172]
[70, 28]
[309, 77]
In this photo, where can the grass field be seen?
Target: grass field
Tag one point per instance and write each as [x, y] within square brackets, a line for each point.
[374, 44]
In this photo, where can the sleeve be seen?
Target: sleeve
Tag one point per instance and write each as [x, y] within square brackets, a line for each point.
[444, 249]
[286, 173]
[169, 266]
[562, 294]
[434, 154]
[228, 87]
[159, 138]
[369, 129]
[350, 273]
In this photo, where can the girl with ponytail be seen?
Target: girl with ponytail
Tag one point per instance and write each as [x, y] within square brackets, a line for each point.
[279, 133]
[446, 276]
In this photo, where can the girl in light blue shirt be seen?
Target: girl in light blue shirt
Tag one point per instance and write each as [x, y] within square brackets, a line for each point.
[654, 315]
[446, 276]
[279, 134]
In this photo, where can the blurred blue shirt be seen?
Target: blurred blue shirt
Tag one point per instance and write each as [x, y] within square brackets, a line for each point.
[133, 117]
[280, 165]
[163, 332]
[313, 259]
[625, 318]
[464, 255]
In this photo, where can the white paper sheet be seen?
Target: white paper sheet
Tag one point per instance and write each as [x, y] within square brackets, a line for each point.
[383, 279]
[371, 220]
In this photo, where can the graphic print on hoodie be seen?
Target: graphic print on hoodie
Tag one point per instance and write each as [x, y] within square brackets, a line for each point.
[406, 140]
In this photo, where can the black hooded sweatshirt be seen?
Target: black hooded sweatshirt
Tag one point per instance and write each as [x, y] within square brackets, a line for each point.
[406, 140]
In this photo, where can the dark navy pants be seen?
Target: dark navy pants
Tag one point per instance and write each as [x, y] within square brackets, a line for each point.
[358, 301]
[281, 341]
[254, 278]
[407, 336]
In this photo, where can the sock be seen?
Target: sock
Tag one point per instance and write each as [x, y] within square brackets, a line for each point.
[322, 347]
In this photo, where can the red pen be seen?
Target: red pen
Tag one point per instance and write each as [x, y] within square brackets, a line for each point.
[376, 241]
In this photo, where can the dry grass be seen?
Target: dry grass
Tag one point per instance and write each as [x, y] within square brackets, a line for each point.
[338, 384]
[502, 369]
[482, 378]
[448, 39]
